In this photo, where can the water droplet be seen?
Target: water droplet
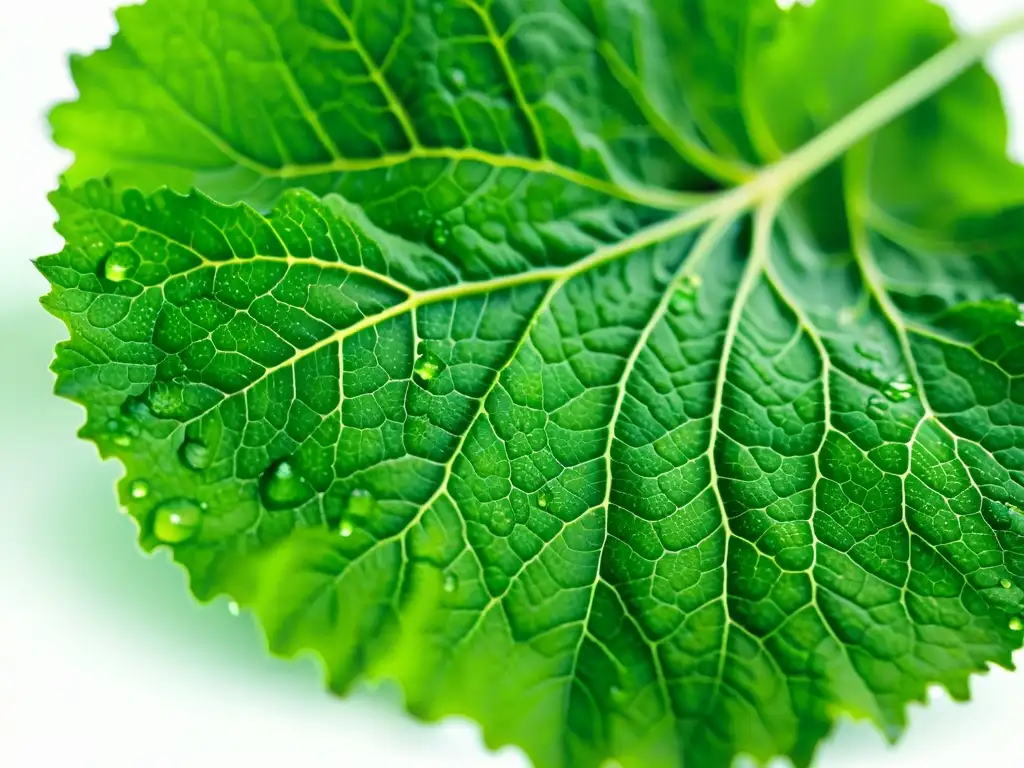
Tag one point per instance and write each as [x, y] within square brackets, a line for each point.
[233, 608]
[1005, 583]
[847, 316]
[451, 582]
[457, 78]
[440, 234]
[97, 248]
[427, 368]
[1020, 320]
[543, 500]
[500, 523]
[176, 520]
[345, 529]
[686, 292]
[899, 390]
[282, 488]
[118, 265]
[194, 454]
[877, 406]
[121, 432]
[690, 284]
[1016, 624]
[135, 408]
[423, 218]
[360, 504]
[139, 489]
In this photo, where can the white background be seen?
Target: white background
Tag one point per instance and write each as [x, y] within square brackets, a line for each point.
[106, 661]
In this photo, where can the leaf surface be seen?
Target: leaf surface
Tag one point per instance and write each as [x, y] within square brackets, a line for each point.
[590, 384]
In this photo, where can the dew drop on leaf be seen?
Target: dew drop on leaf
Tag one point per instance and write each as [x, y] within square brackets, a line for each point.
[194, 454]
[135, 408]
[1016, 624]
[451, 582]
[360, 504]
[847, 316]
[1005, 583]
[176, 520]
[233, 608]
[423, 218]
[345, 529]
[690, 284]
[686, 292]
[500, 523]
[97, 248]
[427, 368]
[899, 390]
[543, 500]
[440, 234]
[877, 406]
[139, 489]
[457, 78]
[120, 433]
[118, 266]
[282, 488]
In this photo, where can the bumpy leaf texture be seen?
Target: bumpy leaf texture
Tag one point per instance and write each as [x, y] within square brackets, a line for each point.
[641, 378]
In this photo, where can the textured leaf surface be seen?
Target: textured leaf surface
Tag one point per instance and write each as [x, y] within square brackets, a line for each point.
[523, 383]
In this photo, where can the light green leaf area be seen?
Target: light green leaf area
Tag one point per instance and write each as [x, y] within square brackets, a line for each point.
[596, 369]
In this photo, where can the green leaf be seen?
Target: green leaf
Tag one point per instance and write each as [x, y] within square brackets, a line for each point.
[641, 393]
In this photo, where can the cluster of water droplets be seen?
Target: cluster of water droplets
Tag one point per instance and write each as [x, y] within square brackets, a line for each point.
[898, 389]
[440, 233]
[892, 389]
[502, 520]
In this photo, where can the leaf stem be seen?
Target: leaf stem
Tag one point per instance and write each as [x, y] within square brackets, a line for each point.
[907, 92]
